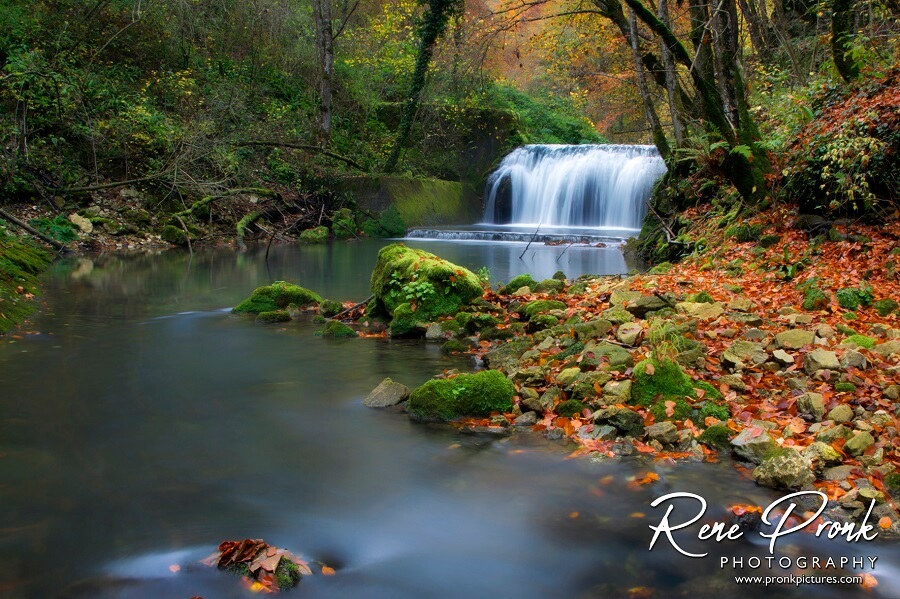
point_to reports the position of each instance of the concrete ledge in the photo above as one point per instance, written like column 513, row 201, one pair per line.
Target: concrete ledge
column 421, row 202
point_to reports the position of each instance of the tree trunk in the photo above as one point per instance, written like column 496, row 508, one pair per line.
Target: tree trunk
column 325, row 47
column 841, row 26
column 659, row 137
column 671, row 77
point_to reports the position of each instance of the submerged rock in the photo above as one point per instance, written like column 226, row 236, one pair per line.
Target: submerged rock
column 386, row 394
column 277, row 296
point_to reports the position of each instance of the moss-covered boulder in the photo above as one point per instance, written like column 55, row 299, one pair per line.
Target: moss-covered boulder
column 431, row 286
column 407, row 323
column 174, row 235
column 476, row 394
column 277, row 296
column 329, row 308
column 517, row 283
column 314, row 235
column 532, row 309
column 659, row 379
column 273, row 316
column 337, row 329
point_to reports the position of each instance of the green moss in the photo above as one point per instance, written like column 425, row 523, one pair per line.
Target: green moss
column 814, row 298
column 549, row 286
column 578, row 288
column 314, row 235
column 441, row 288
column 454, row 346
column 20, row 261
column 845, row 387
column 406, row 322
column 388, row 224
column 661, row 268
column 668, row 381
column 343, row 224
column 744, row 233
column 174, row 235
column 532, row 309
column 886, row 306
column 860, row 340
column 239, row 569
column 892, row 481
column 717, row 436
column 570, row 408
column 559, row 275
column 717, row 411
column 767, row 241
column 541, row 322
column 681, row 410
column 494, row 334
column 701, row 297
column 474, row 321
column 287, row 574
column 329, row 308
column 276, row 296
column 711, row 391
column 319, row 319
column 273, row 316
column 519, row 282
column 844, row 329
column 852, row 299
column 337, row 329
column 575, row 348
column 477, row 394
column 849, row 316
column 776, row 452
column 451, row 326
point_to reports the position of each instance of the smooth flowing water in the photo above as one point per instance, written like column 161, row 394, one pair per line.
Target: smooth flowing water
column 142, row 424
column 605, row 187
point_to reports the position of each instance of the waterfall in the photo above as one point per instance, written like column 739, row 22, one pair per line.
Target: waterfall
column 598, row 186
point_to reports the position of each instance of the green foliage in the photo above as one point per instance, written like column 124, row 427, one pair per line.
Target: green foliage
column 717, row 436
column 389, row 224
column 343, row 224
column 477, row 394
column 484, row 275
column 314, row 235
column 278, row 295
column 59, row 228
column 717, row 411
column 813, row 297
column 701, row 297
column 570, row 408
column 892, row 481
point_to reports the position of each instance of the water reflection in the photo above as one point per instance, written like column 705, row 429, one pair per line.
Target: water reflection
column 143, row 424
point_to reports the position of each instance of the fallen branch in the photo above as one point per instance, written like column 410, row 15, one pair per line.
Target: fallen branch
column 187, row 234
column 530, row 242
column 260, row 191
column 45, row 238
column 352, row 308
column 242, row 227
column 305, row 148
column 670, row 235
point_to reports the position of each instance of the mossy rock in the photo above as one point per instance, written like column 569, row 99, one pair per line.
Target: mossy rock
column 495, row 334
column 886, row 306
column 477, row 394
column 517, row 283
column 287, row 574
column 701, row 298
column 815, row 299
column 660, row 269
column 337, row 329
column 20, row 261
column 845, row 387
column 892, row 482
column 570, row 408
column 852, row 299
column 343, row 224
column 718, row 436
column 277, row 296
column 532, row 309
column 717, row 411
column 574, row 349
column 473, row 322
column 407, row 323
column 329, row 308
column 680, row 411
column 744, row 233
column 767, row 241
column 441, row 287
column 454, row 346
column 559, row 275
column 314, row 235
column 541, row 322
column 668, row 381
column 549, row 286
column 712, row 393
column 860, row 341
column 174, row 235
column 273, row 316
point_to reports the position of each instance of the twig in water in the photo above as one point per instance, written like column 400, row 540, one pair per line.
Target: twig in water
column 530, row 242
column 564, row 251
column 352, row 308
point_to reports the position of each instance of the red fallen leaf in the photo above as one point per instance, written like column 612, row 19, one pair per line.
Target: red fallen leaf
column 756, row 431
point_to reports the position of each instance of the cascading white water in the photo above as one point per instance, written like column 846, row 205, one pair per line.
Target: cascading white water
column 602, row 186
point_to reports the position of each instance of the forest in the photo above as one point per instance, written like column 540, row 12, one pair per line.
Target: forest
column 438, row 296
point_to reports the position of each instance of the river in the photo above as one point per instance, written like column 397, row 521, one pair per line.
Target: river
column 143, row 424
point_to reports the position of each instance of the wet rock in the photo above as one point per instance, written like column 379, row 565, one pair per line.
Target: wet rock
column 811, row 404
column 605, row 432
column 664, row 432
column 550, row 397
column 646, row 303
column 854, row 359
column 526, row 419
column 628, row 421
column 532, row 405
column 786, row 469
column 820, row 359
column 387, row 393
column 859, row 443
column 629, row 333
column 841, row 413
column 794, row 338
column 752, row 445
column 434, row 332
column 838, row 473
column 700, row 310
